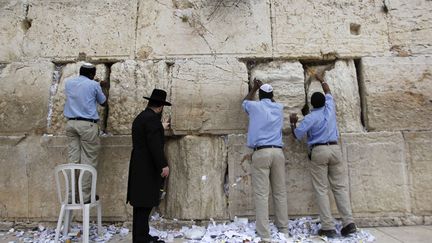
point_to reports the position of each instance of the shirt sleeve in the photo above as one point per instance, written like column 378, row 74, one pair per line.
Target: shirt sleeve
column 100, row 97
column 329, row 102
column 304, row 127
column 245, row 105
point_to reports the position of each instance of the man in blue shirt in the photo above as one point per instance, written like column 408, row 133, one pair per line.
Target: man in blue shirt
column 268, row 161
column 327, row 166
column 82, row 130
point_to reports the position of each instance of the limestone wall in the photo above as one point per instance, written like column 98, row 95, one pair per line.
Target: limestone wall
column 377, row 60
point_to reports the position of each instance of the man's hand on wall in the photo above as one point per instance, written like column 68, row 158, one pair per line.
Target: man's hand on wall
column 257, row 84
column 166, row 123
column 165, row 171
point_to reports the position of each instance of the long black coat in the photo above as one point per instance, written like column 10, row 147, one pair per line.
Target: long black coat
column 147, row 160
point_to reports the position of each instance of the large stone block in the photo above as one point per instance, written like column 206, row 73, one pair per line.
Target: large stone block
column 14, row 185
column 113, row 172
column 409, row 26
column 301, row 199
column 207, row 95
column 199, row 27
column 342, row 80
column 28, row 189
column 56, row 119
column 398, row 93
column 377, row 172
column 196, row 183
column 322, row 29
column 287, row 80
column 64, row 29
column 240, row 191
column 44, row 154
column 130, row 81
column 420, row 168
column 12, row 29
column 24, row 97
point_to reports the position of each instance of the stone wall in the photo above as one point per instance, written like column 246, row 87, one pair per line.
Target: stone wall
column 377, row 60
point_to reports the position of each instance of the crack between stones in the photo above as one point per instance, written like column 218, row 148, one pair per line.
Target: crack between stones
column 362, row 94
column 136, row 28
column 272, row 27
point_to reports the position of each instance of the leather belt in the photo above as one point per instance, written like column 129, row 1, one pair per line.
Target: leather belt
column 319, row 144
column 266, row 146
column 83, row 119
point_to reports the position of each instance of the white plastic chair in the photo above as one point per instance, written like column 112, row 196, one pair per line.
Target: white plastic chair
column 69, row 171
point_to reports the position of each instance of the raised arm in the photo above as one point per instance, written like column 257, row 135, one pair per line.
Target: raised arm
column 251, row 94
column 324, row 84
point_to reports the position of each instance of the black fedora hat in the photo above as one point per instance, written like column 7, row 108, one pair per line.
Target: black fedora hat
column 159, row 96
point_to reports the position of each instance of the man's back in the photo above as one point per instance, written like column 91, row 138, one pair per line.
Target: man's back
column 265, row 122
column 82, row 96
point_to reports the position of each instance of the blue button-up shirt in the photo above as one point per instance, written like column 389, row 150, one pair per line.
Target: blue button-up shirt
column 82, row 94
column 265, row 122
column 320, row 125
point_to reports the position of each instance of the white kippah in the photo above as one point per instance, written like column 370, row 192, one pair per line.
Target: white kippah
column 88, row 65
column 266, row 88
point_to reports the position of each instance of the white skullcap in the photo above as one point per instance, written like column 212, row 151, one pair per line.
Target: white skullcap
column 88, row 65
column 266, row 88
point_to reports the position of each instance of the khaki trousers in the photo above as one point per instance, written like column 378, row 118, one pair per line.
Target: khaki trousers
column 83, row 148
column 268, row 168
column 328, row 169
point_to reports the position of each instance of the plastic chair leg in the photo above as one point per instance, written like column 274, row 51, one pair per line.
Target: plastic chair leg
column 86, row 223
column 67, row 222
column 59, row 223
column 99, row 218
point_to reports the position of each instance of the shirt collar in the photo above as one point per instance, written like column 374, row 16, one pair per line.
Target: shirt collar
column 266, row 100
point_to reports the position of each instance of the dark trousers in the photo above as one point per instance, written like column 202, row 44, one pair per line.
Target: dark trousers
column 140, row 227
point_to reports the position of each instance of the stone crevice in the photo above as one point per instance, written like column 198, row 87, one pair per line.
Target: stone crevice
column 362, row 94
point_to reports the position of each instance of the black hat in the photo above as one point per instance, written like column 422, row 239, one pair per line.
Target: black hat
column 158, row 95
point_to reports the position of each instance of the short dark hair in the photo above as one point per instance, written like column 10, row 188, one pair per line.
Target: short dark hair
column 264, row 95
column 318, row 100
column 88, row 72
column 155, row 104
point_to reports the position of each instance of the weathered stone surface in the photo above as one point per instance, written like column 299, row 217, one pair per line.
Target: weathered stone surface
column 301, row 199
column 409, row 26
column 377, row 172
column 130, row 81
column 113, row 171
column 203, row 27
column 57, row 121
column 197, row 174
column 24, row 195
column 12, row 29
column 13, row 178
column 24, row 97
column 342, row 80
column 240, row 191
column 287, row 80
column 328, row 28
column 207, row 95
column 46, row 153
column 420, row 166
column 98, row 29
column 398, row 93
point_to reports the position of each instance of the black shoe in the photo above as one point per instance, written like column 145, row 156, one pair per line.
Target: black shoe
column 349, row 229
column 328, row 233
column 154, row 239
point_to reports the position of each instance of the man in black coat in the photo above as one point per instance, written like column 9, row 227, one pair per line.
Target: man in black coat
column 148, row 166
